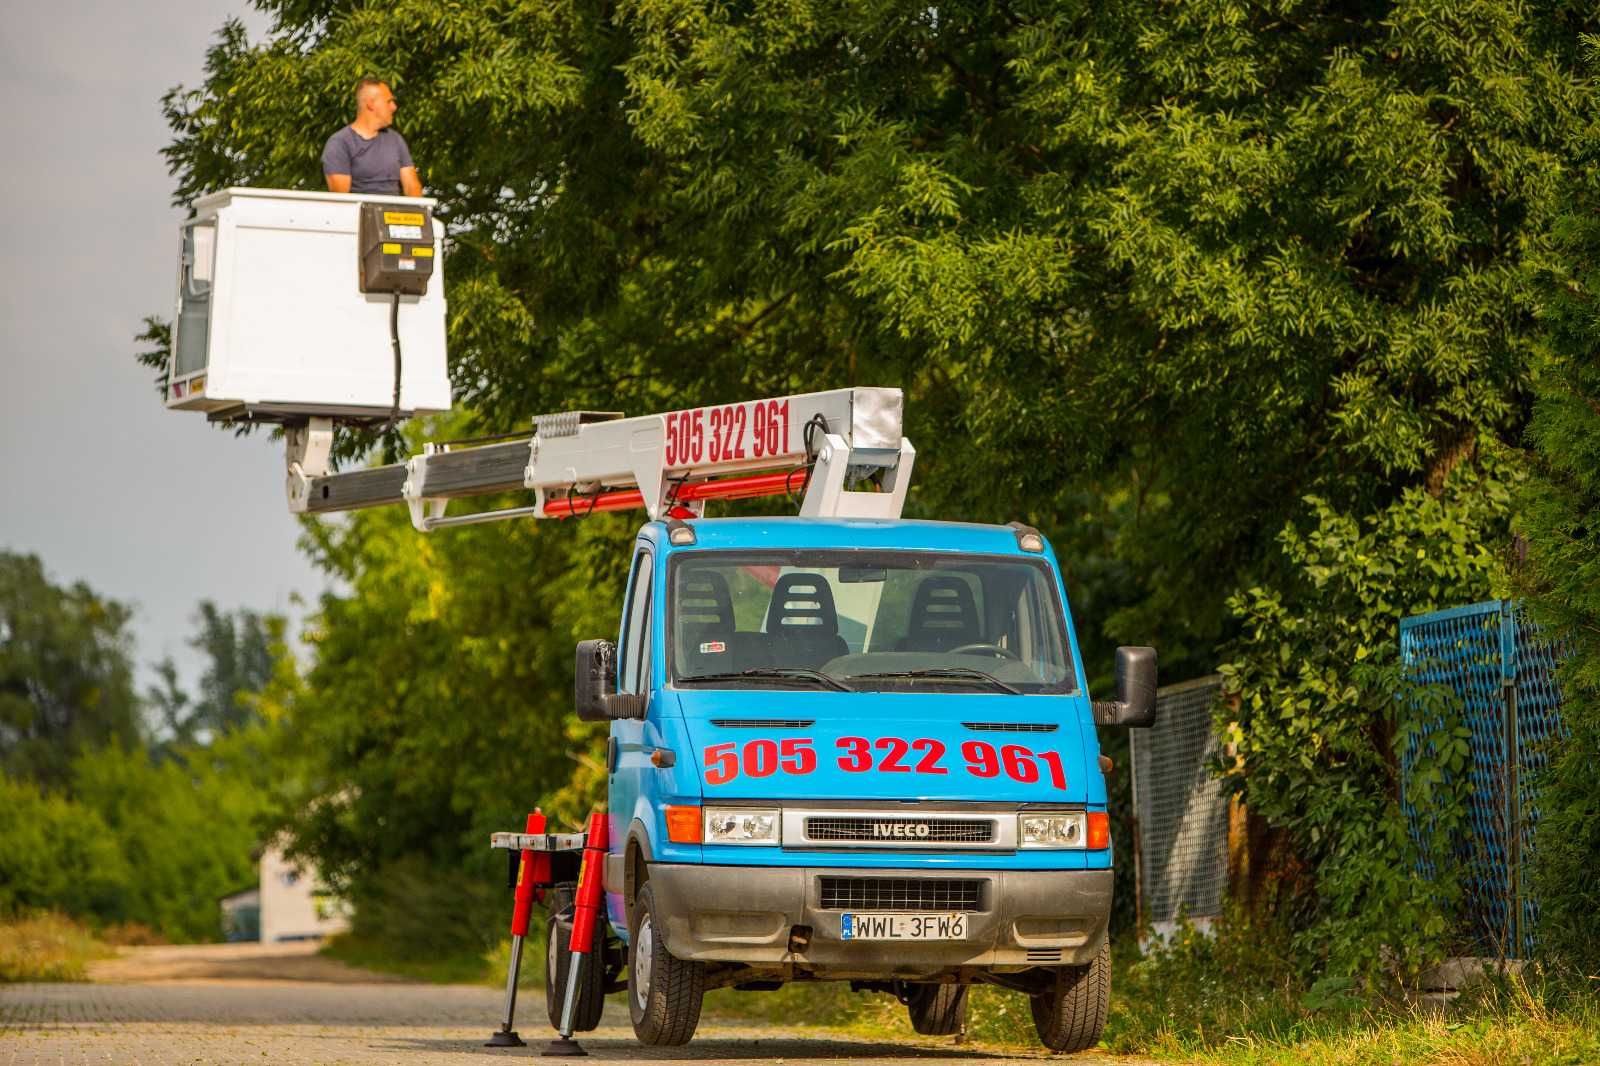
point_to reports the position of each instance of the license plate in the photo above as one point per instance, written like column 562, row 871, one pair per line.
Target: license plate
column 902, row 926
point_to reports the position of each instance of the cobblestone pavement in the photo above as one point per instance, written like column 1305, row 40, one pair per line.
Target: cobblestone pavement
column 214, row 1021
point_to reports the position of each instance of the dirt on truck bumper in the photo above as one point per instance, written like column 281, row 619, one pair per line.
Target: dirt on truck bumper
column 755, row 914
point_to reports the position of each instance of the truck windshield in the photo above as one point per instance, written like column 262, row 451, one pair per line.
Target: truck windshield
column 858, row 620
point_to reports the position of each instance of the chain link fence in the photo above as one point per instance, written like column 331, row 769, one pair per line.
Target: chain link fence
column 1180, row 811
column 1500, row 677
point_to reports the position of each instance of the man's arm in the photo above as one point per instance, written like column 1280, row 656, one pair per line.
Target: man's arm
column 336, row 163
column 410, row 184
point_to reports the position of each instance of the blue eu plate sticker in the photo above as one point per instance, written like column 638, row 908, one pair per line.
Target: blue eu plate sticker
column 846, row 930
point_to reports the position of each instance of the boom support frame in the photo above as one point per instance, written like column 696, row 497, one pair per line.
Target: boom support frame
column 842, row 450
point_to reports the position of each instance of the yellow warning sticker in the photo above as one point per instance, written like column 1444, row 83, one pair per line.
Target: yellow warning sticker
column 197, row 385
column 391, row 249
column 402, row 218
column 422, row 250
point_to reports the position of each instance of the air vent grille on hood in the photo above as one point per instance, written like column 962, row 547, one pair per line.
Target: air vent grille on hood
column 764, row 723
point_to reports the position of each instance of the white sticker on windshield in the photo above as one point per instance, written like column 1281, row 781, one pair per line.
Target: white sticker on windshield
column 713, row 647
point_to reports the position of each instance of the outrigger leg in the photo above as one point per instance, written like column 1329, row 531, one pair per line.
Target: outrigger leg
column 586, row 911
column 533, row 872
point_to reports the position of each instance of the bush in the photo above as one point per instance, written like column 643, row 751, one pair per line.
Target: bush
column 1313, row 724
column 47, row 947
column 185, row 830
column 425, row 914
column 57, row 853
column 137, row 842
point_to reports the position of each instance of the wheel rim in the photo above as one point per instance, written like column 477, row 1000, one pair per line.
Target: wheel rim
column 552, row 957
column 643, row 956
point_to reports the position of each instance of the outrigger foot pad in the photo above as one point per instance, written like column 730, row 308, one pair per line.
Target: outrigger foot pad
column 506, row 1038
column 565, row 1047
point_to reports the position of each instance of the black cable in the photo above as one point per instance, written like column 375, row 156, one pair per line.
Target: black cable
column 815, row 424
column 674, row 484
column 593, row 498
column 394, row 341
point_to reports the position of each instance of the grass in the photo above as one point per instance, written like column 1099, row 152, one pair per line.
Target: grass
column 47, row 947
column 1231, row 1004
column 1485, row 1040
column 1226, row 1002
column 1233, row 1001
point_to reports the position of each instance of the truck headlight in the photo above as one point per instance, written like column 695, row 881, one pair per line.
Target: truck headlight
column 1053, row 830
column 742, row 825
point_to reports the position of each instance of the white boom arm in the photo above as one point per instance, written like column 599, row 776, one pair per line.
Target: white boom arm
column 670, row 464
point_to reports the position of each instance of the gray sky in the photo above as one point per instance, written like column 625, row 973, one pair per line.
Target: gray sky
column 151, row 507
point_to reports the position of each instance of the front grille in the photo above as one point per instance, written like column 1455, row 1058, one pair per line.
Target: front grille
column 900, row 830
column 901, row 894
column 1044, row 954
column 1012, row 727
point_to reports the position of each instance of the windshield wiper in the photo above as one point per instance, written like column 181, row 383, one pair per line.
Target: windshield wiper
column 959, row 673
column 787, row 672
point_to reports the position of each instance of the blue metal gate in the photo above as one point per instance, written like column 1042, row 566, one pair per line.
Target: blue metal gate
column 1489, row 656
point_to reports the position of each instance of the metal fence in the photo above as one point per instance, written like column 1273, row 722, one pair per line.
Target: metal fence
column 1501, row 679
column 1180, row 809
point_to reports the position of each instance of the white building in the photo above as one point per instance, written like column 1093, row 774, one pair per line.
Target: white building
column 295, row 905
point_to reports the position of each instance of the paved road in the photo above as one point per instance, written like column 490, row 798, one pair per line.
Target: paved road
column 185, row 1008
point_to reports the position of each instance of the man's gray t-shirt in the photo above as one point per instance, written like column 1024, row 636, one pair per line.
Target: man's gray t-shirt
column 373, row 166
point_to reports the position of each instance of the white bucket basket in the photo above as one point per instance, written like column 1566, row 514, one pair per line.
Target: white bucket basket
column 272, row 325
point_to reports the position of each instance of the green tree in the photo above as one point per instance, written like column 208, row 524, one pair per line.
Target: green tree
column 438, row 702
column 1560, row 521
column 185, row 829
column 1315, row 717
column 65, row 675
column 1151, row 276
column 57, row 854
column 238, row 649
column 1166, row 272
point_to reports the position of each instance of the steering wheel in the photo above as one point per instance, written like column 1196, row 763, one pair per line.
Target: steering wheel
column 982, row 648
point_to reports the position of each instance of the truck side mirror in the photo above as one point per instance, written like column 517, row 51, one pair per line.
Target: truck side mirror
column 594, row 685
column 1135, row 704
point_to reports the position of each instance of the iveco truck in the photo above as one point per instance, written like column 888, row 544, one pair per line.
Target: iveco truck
column 853, row 750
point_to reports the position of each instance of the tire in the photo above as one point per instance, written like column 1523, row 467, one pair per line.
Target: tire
column 558, row 961
column 937, row 1010
column 1072, row 1014
column 664, row 992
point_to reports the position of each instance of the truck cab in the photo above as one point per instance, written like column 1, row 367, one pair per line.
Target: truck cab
column 857, row 750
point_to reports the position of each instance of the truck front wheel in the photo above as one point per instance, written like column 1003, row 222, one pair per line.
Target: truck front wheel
column 664, row 992
column 937, row 1010
column 1071, row 1014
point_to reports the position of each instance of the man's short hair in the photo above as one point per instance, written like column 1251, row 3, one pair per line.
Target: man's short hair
column 366, row 83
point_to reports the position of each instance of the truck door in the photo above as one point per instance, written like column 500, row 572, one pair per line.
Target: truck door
column 626, row 750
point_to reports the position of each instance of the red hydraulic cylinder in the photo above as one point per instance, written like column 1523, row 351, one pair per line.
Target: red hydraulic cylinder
column 532, row 876
column 727, row 488
column 533, row 873
column 586, row 908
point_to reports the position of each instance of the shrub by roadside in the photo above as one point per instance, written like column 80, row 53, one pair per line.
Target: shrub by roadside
column 47, row 947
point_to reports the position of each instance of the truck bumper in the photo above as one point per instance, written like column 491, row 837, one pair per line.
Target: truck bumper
column 750, row 914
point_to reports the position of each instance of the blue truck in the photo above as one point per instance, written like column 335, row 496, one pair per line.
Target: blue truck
column 852, row 750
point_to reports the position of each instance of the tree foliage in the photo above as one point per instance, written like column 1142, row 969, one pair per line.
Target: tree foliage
column 91, row 822
column 238, row 649
column 66, row 683
column 136, row 840
column 1151, row 276
column 437, row 704
column 1316, row 717
column 1560, row 521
